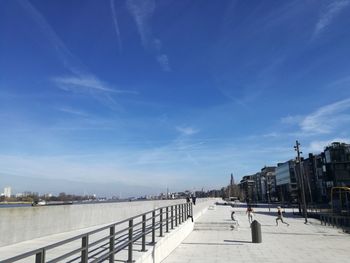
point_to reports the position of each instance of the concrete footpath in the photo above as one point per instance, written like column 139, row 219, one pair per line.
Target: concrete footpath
column 215, row 240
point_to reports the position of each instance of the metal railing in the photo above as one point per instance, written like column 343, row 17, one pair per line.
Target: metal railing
column 104, row 243
column 338, row 221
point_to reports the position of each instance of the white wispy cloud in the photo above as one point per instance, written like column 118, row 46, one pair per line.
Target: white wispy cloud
column 318, row 146
column 72, row 111
column 187, row 130
column 345, row 81
column 142, row 12
column 327, row 118
column 164, row 62
column 86, row 83
column 329, row 14
column 116, row 25
column 292, row 119
column 157, row 44
column 67, row 58
column 80, row 79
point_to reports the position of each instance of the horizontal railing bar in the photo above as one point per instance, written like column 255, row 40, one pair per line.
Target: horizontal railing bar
column 137, row 224
column 102, row 248
column 100, row 240
column 119, row 248
column 75, row 238
column 115, row 251
column 65, row 255
column 139, row 232
column 19, row 257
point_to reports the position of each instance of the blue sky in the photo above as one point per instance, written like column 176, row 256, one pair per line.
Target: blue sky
column 130, row 97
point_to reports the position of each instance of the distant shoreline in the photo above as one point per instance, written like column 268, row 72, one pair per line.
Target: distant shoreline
column 15, row 203
column 4, row 205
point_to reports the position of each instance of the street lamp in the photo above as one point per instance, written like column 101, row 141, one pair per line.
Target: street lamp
column 268, row 192
column 298, row 161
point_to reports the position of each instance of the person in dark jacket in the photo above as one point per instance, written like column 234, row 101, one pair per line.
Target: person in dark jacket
column 194, row 200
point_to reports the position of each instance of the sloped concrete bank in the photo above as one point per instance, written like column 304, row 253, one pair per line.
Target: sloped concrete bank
column 27, row 223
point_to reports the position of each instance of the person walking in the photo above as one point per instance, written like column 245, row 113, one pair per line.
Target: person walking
column 280, row 216
column 194, row 200
column 235, row 223
column 250, row 213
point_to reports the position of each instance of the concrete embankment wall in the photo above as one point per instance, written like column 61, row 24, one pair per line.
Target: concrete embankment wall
column 26, row 223
column 172, row 240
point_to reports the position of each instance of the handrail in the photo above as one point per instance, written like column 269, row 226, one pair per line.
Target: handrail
column 159, row 219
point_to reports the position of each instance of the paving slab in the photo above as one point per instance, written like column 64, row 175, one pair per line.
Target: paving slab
column 216, row 239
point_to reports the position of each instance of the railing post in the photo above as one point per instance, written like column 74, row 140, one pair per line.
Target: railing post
column 191, row 211
column 153, row 227
column 40, row 256
column 172, row 217
column 179, row 207
column 176, row 207
column 130, row 241
column 111, row 243
column 167, row 219
column 143, row 233
column 161, row 223
column 182, row 213
column 85, row 249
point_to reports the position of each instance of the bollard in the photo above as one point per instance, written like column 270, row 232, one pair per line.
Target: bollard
column 256, row 232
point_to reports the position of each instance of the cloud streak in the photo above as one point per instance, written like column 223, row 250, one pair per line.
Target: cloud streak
column 328, row 15
column 318, row 146
column 62, row 51
column 327, row 118
column 80, row 79
column 142, row 12
column 187, row 130
column 164, row 62
column 72, row 111
column 87, row 83
column 116, row 25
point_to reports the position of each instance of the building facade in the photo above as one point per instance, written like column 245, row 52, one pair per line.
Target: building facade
column 268, row 173
column 286, row 182
column 7, row 191
column 247, row 186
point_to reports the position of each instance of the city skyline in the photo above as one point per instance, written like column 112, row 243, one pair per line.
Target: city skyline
column 136, row 96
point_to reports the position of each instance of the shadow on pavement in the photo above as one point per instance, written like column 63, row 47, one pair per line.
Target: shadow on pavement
column 237, row 241
column 212, row 244
column 274, row 214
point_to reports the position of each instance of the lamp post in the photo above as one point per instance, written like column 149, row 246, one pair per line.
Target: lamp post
column 268, row 192
column 298, row 161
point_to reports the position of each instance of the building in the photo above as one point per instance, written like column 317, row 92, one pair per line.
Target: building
column 247, row 186
column 286, row 182
column 268, row 173
column 7, row 191
column 337, row 162
column 258, row 187
column 314, row 174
